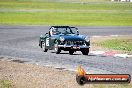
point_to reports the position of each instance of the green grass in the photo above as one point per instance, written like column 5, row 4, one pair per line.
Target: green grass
column 63, row 6
column 62, row 0
column 65, row 18
column 62, row 13
column 5, row 84
column 118, row 44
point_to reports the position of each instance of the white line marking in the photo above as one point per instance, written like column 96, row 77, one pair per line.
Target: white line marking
column 97, row 52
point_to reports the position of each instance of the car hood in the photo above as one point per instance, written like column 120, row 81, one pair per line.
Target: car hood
column 73, row 37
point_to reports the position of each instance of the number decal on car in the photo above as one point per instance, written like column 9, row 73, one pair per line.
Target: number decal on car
column 47, row 41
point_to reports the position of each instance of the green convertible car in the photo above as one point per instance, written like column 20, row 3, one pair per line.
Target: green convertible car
column 64, row 38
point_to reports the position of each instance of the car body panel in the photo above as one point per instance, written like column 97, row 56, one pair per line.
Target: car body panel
column 72, row 39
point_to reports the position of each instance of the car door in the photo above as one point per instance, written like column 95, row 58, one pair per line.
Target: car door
column 49, row 41
column 52, row 37
column 46, row 40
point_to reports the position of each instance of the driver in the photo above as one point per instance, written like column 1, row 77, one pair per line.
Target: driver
column 54, row 31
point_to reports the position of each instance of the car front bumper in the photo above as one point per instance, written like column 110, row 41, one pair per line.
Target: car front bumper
column 73, row 47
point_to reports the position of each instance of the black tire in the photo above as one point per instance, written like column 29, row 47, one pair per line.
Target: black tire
column 85, row 51
column 43, row 47
column 56, row 48
column 81, row 80
column 71, row 52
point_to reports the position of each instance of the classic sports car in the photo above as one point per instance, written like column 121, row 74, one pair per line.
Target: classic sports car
column 64, row 38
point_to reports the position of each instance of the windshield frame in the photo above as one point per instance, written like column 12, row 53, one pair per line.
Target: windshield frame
column 64, row 30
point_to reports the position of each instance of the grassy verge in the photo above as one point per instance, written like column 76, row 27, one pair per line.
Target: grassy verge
column 30, row 5
column 120, row 43
column 63, row 13
column 63, row 0
column 5, row 84
column 65, row 18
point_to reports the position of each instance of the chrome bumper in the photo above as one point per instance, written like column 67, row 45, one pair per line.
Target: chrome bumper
column 74, row 46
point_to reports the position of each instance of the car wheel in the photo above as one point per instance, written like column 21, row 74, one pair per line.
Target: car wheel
column 71, row 52
column 57, row 49
column 43, row 47
column 85, row 51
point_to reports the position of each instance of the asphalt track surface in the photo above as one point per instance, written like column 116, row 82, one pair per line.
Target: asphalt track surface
column 21, row 42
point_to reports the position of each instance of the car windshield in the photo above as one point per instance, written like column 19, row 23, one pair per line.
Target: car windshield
column 65, row 30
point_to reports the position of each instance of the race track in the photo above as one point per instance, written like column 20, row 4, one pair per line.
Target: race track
column 21, row 42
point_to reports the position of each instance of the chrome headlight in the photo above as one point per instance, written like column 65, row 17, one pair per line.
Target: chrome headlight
column 87, row 39
column 62, row 39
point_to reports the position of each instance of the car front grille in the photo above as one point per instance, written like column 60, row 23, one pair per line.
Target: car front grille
column 74, row 42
